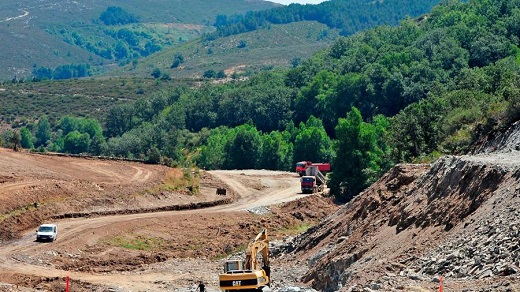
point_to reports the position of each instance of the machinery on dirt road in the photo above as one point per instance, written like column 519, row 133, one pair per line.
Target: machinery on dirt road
column 301, row 167
column 313, row 181
column 251, row 274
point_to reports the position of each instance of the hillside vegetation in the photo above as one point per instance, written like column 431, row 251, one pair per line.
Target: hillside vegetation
column 33, row 37
column 279, row 37
column 387, row 95
column 23, row 102
column 98, row 37
column 349, row 16
column 274, row 46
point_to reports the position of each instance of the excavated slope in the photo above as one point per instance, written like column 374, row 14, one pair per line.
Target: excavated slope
column 458, row 219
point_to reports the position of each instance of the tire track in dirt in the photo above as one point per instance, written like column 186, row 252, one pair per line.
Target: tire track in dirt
column 271, row 187
column 254, row 188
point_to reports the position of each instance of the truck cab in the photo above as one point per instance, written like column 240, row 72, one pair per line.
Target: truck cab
column 308, row 184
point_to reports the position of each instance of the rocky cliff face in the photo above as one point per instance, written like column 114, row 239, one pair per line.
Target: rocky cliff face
column 458, row 219
column 498, row 141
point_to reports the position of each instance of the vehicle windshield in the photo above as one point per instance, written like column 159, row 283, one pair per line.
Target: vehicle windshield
column 45, row 229
column 307, row 179
column 300, row 164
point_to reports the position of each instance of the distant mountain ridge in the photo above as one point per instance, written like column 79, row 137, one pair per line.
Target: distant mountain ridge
column 241, row 42
column 52, row 37
column 348, row 16
column 34, row 33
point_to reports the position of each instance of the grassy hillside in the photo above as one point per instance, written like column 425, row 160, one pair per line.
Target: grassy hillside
column 38, row 33
column 50, row 36
column 193, row 11
column 274, row 46
column 276, row 37
column 81, row 98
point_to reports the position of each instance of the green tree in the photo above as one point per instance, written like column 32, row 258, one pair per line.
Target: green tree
column 209, row 73
column 263, row 99
column 276, row 152
column 243, row 151
column 97, row 145
column 178, row 59
column 15, row 140
column 311, row 100
column 119, row 120
column 154, row 156
column 43, row 131
column 220, row 74
column 212, row 153
column 68, row 124
column 76, row 142
column 489, row 48
column 91, row 127
column 42, row 73
column 358, row 156
column 242, row 44
column 312, row 142
column 121, row 51
column 26, row 138
column 129, row 145
column 116, row 15
column 156, row 73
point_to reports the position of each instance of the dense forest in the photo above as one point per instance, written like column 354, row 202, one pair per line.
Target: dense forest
column 349, row 16
column 392, row 94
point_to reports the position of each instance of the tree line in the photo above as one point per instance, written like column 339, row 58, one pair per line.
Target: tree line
column 348, row 16
column 61, row 72
column 392, row 94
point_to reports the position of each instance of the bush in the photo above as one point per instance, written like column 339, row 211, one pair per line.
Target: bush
column 209, row 74
column 156, row 73
column 116, row 15
column 154, row 156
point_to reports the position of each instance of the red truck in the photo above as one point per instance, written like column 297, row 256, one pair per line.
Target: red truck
column 313, row 181
column 302, row 165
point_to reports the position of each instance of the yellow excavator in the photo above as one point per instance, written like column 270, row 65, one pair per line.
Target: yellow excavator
column 251, row 274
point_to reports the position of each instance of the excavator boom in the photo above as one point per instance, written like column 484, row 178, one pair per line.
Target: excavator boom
column 250, row 274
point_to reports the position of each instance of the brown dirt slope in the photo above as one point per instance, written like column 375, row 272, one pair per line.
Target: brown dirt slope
column 117, row 228
column 76, row 187
column 458, row 219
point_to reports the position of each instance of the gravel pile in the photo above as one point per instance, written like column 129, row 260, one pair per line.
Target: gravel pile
column 490, row 247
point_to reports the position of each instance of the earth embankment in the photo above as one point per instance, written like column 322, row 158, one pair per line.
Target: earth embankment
column 124, row 227
column 458, row 219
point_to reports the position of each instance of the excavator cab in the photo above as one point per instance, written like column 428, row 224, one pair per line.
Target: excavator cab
column 233, row 265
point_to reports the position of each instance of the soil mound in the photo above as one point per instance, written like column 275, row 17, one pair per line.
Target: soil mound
column 458, row 219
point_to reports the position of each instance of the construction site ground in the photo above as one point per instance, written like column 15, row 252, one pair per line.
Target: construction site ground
column 129, row 226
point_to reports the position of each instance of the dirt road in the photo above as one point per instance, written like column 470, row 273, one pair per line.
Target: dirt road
column 177, row 248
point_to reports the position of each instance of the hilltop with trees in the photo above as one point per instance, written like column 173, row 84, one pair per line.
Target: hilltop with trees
column 102, row 36
column 348, row 16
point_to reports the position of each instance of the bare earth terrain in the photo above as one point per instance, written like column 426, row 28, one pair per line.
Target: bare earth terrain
column 457, row 219
column 114, row 232
column 127, row 226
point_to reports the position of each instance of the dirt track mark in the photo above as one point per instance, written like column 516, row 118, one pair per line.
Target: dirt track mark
column 138, row 176
column 25, row 14
column 279, row 187
column 269, row 188
column 13, row 186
